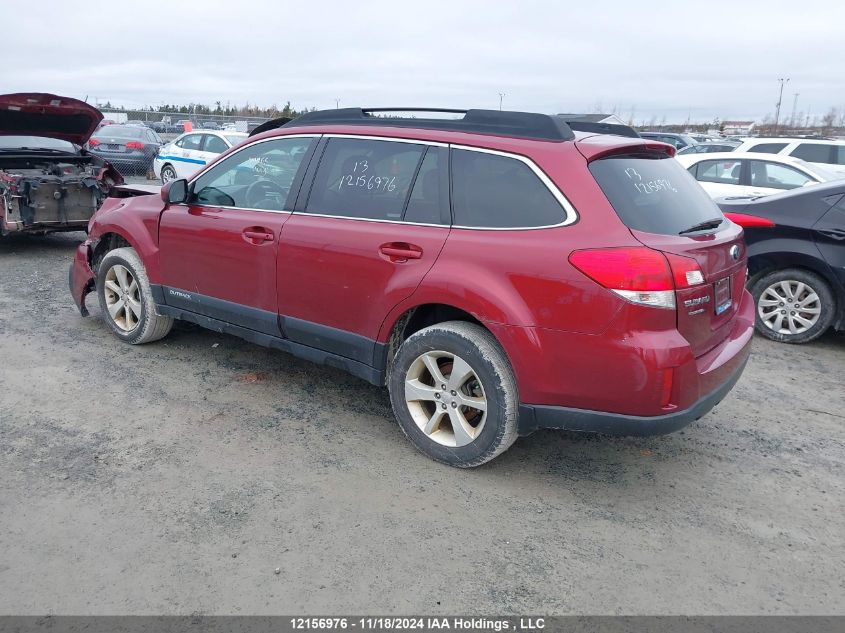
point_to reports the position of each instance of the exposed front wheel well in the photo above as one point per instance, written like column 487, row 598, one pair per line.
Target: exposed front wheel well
column 108, row 242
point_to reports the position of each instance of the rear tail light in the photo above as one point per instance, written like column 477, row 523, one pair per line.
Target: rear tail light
column 640, row 275
column 750, row 221
column 134, row 145
column 92, row 142
column 685, row 271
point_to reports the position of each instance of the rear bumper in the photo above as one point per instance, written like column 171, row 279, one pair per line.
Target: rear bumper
column 81, row 277
column 621, row 394
column 533, row 417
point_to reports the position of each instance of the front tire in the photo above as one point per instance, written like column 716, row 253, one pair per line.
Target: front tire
column 126, row 299
column 454, row 394
column 792, row 305
column 167, row 174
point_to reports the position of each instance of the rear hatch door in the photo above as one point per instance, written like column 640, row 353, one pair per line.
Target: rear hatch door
column 667, row 210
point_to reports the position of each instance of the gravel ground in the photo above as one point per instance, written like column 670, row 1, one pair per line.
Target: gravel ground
column 178, row 477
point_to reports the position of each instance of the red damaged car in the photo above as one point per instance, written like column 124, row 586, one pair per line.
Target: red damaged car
column 48, row 182
column 498, row 272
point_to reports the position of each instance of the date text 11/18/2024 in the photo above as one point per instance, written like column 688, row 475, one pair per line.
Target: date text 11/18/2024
column 454, row 623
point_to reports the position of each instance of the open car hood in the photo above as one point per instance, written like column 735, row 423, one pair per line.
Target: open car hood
column 40, row 114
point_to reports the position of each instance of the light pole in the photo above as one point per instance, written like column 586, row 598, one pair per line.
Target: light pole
column 780, row 99
column 501, row 96
column 794, row 109
column 337, row 104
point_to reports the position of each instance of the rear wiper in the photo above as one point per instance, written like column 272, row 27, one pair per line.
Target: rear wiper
column 702, row 226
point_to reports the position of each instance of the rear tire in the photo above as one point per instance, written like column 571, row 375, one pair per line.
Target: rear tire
column 463, row 419
column 126, row 299
column 792, row 305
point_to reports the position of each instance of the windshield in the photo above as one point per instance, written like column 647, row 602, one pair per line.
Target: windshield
column 655, row 195
column 35, row 142
column 234, row 139
column 120, row 131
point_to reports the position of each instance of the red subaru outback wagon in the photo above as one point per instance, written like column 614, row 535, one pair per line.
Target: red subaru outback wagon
column 497, row 271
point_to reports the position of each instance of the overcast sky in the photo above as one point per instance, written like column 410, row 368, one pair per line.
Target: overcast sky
column 674, row 59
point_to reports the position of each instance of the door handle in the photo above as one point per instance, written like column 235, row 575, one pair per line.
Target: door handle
column 400, row 251
column 257, row 235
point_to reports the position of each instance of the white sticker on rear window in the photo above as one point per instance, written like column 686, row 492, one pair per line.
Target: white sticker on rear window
column 648, row 186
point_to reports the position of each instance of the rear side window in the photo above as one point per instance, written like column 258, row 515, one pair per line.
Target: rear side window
column 767, row 148
column 431, row 186
column 816, row 153
column 214, row 144
column 493, row 191
column 653, row 195
column 366, row 179
column 723, row 172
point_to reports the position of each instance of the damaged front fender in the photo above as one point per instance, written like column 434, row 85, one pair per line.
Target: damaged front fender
column 81, row 276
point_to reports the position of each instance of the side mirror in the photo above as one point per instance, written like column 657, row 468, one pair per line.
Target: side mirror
column 175, row 192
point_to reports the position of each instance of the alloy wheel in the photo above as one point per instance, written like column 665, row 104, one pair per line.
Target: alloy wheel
column 445, row 398
column 789, row 307
column 123, row 297
column 167, row 174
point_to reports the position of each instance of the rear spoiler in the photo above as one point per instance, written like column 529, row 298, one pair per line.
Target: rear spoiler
column 581, row 125
column 272, row 124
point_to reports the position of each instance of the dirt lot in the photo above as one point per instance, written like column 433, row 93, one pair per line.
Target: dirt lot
column 177, row 477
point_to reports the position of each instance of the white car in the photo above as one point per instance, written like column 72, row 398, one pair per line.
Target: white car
column 829, row 155
column 749, row 174
column 188, row 153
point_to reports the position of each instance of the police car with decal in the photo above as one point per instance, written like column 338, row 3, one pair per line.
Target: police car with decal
column 191, row 151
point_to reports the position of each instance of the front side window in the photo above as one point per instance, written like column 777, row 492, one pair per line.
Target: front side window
column 815, row 152
column 493, row 191
column 362, row 178
column 777, row 176
column 258, row 177
column 191, row 141
column 723, row 172
column 767, row 148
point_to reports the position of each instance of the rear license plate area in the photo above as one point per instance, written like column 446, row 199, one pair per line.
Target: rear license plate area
column 722, row 295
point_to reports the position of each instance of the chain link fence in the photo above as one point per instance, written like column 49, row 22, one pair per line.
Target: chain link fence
column 170, row 124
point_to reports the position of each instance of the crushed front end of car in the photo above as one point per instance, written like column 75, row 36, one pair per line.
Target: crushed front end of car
column 51, row 193
column 47, row 181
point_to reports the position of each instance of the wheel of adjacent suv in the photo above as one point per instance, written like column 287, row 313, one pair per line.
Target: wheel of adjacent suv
column 126, row 300
column 454, row 394
column 793, row 306
column 167, row 174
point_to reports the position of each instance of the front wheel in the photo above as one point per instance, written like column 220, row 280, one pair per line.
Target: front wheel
column 793, row 305
column 167, row 174
column 454, row 394
column 126, row 299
